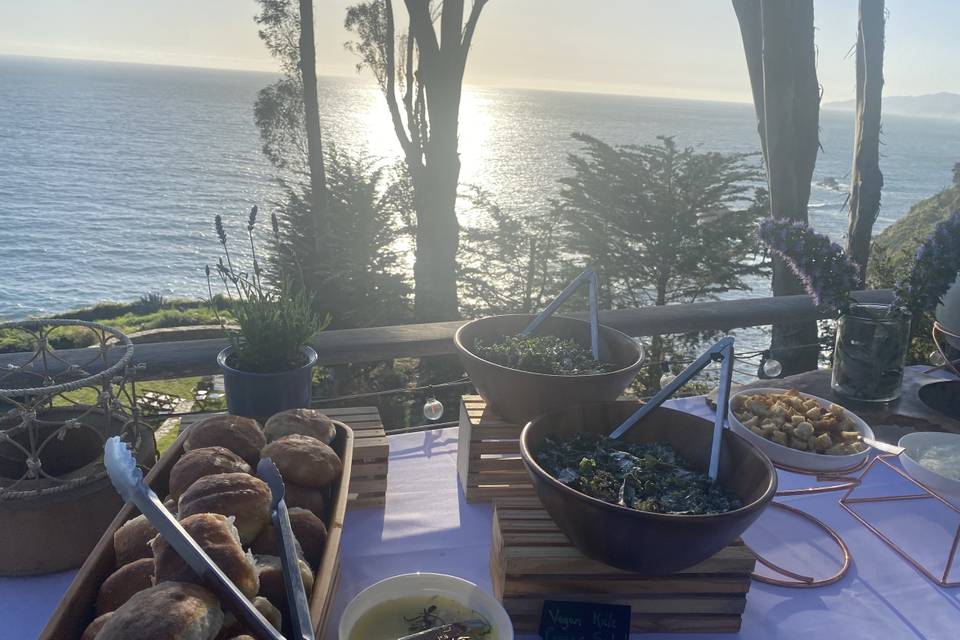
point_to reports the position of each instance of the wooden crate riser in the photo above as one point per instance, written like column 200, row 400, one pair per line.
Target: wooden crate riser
column 641, row 623
column 532, row 561
column 650, row 605
column 488, row 456
column 694, row 584
column 368, row 480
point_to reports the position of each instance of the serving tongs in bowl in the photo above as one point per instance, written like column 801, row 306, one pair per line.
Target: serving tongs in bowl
column 127, row 479
column 292, row 580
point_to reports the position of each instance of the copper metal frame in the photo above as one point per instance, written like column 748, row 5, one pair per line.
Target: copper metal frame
column 799, row 581
column 846, row 501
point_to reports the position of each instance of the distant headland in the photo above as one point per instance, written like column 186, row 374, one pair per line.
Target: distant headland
column 932, row 105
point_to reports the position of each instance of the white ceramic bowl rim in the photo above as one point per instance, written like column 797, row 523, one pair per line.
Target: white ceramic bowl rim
column 913, row 443
column 409, row 584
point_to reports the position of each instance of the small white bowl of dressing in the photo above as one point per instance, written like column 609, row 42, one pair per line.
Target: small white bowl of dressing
column 933, row 459
column 395, row 607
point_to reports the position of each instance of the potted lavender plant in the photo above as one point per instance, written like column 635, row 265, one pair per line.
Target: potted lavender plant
column 268, row 366
column 872, row 339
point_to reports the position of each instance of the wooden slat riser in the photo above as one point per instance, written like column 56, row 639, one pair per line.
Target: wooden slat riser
column 532, row 561
column 692, row 585
column 664, row 605
column 653, row 624
column 488, row 457
column 372, row 469
column 368, row 480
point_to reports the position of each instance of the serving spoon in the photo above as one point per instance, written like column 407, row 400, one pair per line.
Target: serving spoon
column 882, row 446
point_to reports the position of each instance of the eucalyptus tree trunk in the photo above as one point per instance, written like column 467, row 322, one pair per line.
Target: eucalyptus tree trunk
column 311, row 108
column 442, row 58
column 866, row 180
column 778, row 40
column 435, row 197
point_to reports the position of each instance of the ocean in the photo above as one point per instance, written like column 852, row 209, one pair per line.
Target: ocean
column 110, row 174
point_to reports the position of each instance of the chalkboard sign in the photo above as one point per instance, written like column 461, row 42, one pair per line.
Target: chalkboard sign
column 584, row 621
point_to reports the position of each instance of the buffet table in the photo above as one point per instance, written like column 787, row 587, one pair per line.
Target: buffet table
column 428, row 526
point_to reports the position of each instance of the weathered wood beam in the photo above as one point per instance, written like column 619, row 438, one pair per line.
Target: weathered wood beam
column 198, row 357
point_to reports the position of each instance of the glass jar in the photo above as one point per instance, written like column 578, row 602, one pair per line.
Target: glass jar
column 872, row 344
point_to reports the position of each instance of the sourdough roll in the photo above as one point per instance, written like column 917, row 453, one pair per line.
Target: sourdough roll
column 205, row 461
column 217, row 536
column 304, row 460
column 308, row 529
column 243, row 436
column 309, row 498
column 303, row 422
column 90, row 633
column 245, row 497
column 233, row 628
column 123, row 583
column 132, row 540
column 270, row 570
column 168, row 611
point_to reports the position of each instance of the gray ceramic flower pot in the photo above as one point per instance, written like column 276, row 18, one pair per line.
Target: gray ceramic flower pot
column 260, row 395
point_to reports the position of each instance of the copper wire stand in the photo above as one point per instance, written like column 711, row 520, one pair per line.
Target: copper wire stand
column 844, row 483
column 927, row 493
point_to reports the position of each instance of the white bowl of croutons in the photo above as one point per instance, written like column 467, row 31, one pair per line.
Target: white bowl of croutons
column 800, row 430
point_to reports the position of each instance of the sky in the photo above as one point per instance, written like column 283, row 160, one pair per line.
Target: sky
column 671, row 48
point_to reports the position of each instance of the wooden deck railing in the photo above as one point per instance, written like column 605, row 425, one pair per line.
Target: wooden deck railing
column 198, row 357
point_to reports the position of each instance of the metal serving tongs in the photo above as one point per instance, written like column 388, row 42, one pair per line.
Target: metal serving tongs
column 292, row 580
column 127, row 479
column 453, row 631
column 721, row 352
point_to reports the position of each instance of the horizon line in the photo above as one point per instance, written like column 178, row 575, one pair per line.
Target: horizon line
column 481, row 85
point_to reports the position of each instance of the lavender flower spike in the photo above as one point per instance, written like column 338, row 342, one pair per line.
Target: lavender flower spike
column 221, row 232
column 934, row 268
column 827, row 273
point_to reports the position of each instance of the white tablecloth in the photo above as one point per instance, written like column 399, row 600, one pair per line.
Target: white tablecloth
column 428, row 526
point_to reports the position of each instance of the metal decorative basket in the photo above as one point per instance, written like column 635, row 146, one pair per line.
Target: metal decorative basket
column 57, row 408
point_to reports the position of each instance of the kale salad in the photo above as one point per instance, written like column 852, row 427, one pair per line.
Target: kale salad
column 542, row 354
column 646, row 477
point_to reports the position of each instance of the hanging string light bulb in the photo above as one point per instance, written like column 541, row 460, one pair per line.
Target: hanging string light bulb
column 772, row 368
column 769, row 368
column 432, row 408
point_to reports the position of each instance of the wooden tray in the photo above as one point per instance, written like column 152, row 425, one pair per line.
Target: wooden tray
column 488, row 454
column 75, row 610
column 371, row 451
column 532, row 560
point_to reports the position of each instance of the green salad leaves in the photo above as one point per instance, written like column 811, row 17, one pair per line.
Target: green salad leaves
column 542, row 354
column 646, row 477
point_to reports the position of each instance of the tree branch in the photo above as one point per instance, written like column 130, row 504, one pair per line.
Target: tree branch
column 451, row 25
column 422, row 28
column 391, row 84
column 471, row 25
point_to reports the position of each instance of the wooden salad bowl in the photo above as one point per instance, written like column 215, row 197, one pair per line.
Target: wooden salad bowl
column 640, row 541
column 518, row 395
column 76, row 609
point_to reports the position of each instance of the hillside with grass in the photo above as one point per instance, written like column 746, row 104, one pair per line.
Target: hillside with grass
column 149, row 312
column 894, row 248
